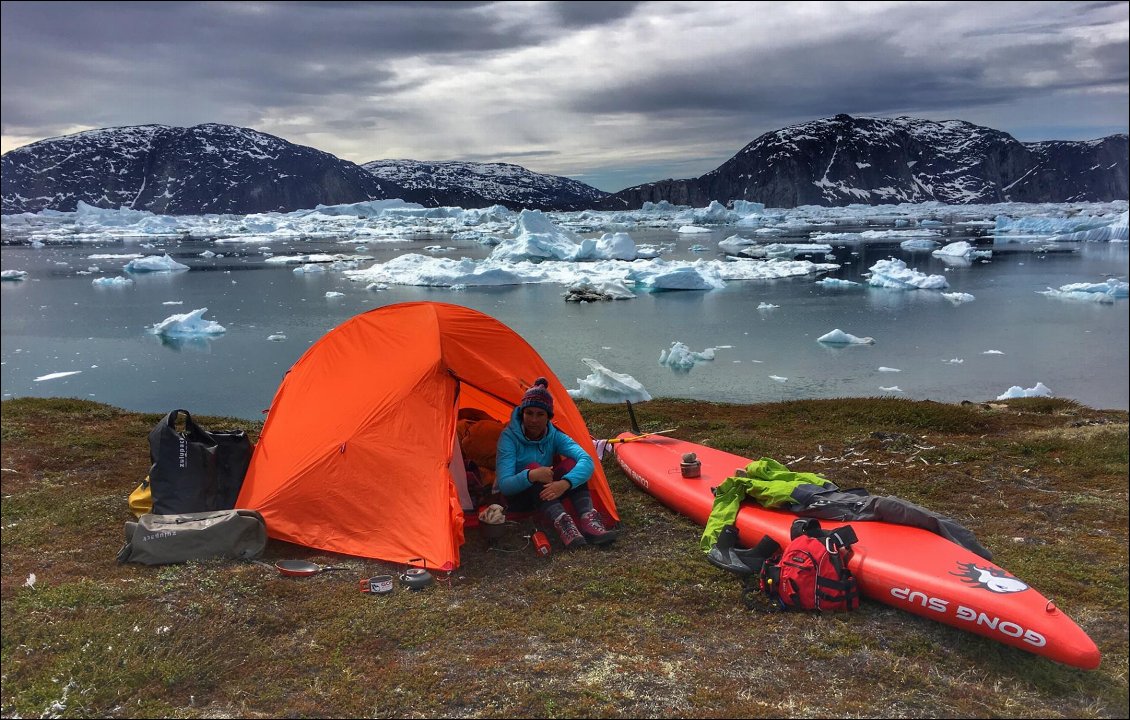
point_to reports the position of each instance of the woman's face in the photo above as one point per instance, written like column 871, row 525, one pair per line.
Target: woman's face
column 534, row 422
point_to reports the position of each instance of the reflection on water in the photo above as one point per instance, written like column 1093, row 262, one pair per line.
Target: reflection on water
column 956, row 262
column 176, row 344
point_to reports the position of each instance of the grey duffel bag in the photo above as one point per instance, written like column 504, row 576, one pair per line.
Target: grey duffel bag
column 164, row 539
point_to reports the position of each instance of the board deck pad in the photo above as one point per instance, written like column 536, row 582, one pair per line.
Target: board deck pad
column 906, row 567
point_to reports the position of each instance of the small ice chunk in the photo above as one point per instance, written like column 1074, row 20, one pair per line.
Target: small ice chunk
column 839, row 337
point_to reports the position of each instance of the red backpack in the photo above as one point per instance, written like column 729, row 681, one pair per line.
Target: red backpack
column 811, row 572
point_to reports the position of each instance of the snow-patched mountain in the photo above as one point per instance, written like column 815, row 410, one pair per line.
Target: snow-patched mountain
column 176, row 171
column 834, row 161
column 843, row 160
column 469, row 184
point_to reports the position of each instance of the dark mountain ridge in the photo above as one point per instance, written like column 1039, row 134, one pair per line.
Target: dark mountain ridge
column 833, row 161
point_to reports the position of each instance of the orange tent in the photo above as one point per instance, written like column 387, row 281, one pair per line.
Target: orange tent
column 356, row 455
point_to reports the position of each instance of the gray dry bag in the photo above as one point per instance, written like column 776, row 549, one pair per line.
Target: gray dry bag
column 165, row 539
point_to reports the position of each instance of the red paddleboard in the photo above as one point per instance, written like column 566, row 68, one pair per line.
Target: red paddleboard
column 907, row 567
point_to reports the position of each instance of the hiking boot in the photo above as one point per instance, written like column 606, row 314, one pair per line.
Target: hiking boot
column 567, row 530
column 593, row 528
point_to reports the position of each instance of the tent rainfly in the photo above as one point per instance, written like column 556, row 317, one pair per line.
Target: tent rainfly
column 358, row 453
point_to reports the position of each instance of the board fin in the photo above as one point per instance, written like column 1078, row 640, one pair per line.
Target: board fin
column 632, row 415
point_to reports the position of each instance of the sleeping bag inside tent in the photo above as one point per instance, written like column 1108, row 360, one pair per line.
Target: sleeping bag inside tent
column 359, row 454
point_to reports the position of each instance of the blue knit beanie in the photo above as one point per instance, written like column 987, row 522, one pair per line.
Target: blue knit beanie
column 537, row 396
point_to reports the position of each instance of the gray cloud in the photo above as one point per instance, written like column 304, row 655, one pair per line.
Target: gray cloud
column 585, row 13
column 865, row 72
column 611, row 92
column 237, row 54
column 1115, row 62
column 805, row 79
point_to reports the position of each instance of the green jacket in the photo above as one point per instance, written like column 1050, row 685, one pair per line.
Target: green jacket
column 767, row 481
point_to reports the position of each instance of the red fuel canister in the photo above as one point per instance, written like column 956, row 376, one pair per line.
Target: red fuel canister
column 541, row 543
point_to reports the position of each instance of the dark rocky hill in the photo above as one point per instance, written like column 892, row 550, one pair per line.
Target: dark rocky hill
column 176, row 171
column 843, row 160
column 468, row 184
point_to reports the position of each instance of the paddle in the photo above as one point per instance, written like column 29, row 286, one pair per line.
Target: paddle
column 603, row 446
column 641, row 436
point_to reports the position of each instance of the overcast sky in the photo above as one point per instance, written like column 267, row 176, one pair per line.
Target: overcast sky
column 609, row 93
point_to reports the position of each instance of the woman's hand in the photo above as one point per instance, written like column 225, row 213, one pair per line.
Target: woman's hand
column 554, row 490
column 541, row 475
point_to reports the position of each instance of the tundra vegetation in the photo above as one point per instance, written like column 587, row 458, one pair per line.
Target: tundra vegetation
column 643, row 628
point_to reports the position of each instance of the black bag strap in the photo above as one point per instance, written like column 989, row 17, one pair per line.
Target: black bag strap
column 804, row 526
column 843, row 536
column 191, row 429
column 167, row 427
column 839, row 538
column 838, row 542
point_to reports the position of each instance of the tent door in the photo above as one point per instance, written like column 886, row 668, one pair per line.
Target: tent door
column 459, row 475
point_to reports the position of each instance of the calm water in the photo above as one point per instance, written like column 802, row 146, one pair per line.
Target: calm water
column 57, row 321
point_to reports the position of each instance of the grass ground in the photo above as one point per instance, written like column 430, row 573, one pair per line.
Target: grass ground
column 644, row 628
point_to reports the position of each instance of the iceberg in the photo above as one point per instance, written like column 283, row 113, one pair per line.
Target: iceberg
column 609, row 246
column 605, row 386
column 1116, row 231
column 584, row 291
column 187, row 325
column 830, row 282
column 957, row 298
column 735, row 244
column 918, row 244
column 663, row 276
column 713, row 214
column 839, row 337
column 302, row 259
column 962, row 249
column 118, row 281
column 1040, row 390
column 536, row 238
column 681, row 358
column 1104, row 292
column 746, row 208
column 154, row 263
column 785, row 250
column 893, row 273
column 1078, row 228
